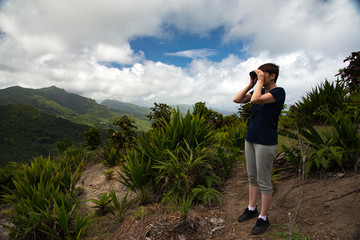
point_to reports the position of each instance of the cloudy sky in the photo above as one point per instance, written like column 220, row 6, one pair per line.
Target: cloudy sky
column 174, row 52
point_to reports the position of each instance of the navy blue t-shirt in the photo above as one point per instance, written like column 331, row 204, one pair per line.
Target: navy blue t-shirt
column 263, row 122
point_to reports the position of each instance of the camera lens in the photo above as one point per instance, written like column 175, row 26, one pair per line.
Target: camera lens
column 253, row 75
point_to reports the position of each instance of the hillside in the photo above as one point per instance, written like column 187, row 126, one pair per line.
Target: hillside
column 27, row 132
column 129, row 108
column 73, row 107
column 135, row 109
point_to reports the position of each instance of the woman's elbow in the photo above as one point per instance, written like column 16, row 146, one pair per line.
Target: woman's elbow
column 235, row 100
column 254, row 101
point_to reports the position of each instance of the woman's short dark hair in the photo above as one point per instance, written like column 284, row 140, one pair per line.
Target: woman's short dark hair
column 270, row 68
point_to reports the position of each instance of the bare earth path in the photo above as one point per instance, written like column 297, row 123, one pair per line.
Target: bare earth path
column 330, row 210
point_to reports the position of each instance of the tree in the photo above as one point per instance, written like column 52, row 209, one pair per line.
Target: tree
column 92, row 138
column 201, row 109
column 350, row 75
column 244, row 111
column 160, row 112
column 125, row 137
column 64, row 144
column 212, row 117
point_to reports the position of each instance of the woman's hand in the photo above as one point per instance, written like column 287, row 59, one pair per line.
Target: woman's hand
column 260, row 76
column 253, row 81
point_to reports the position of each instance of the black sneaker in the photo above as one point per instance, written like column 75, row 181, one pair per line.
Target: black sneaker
column 260, row 226
column 248, row 215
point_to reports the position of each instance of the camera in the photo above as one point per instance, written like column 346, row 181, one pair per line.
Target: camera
column 253, row 75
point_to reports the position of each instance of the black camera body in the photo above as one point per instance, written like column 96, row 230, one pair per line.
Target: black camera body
column 253, row 75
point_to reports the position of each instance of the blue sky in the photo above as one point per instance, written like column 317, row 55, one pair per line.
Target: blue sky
column 174, row 52
column 180, row 48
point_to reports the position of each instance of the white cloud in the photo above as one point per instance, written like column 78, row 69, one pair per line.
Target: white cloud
column 281, row 27
column 122, row 54
column 194, row 53
column 70, row 43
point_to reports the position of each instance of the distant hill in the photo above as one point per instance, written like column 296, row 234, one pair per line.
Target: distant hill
column 58, row 102
column 135, row 109
column 126, row 107
column 184, row 108
column 27, row 132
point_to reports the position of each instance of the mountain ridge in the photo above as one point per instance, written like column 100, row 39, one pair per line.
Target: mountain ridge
column 76, row 108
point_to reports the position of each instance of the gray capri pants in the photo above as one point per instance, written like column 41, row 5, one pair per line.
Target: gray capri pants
column 259, row 161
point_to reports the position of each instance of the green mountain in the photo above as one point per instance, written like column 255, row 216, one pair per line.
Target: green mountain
column 27, row 132
column 78, row 109
column 129, row 108
column 133, row 109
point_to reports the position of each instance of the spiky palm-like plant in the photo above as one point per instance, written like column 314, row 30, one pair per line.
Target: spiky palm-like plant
column 330, row 96
column 44, row 202
column 135, row 174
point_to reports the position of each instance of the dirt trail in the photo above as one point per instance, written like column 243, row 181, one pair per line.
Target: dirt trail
column 330, row 210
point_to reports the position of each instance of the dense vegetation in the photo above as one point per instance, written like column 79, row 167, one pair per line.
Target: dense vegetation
column 27, row 132
column 182, row 160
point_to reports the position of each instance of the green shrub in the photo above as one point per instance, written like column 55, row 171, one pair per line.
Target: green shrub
column 109, row 174
column 287, row 120
column 112, row 156
column 180, row 171
column 64, row 144
column 345, row 134
column 160, row 113
column 338, row 148
column 102, row 203
column 142, row 212
column 212, row 117
column 325, row 158
column 7, row 173
column 350, row 75
column 44, row 202
column 293, row 155
column 226, row 160
column 126, row 136
column 118, row 209
column 192, row 129
column 182, row 154
column 135, row 174
column 206, row 194
column 233, row 135
column 283, row 233
column 92, row 138
column 63, row 219
column 181, row 205
column 244, row 111
column 74, row 157
column 325, row 96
